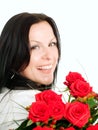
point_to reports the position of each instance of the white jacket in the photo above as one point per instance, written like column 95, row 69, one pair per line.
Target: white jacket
column 12, row 107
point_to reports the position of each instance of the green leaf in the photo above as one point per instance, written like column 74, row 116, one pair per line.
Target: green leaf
column 23, row 125
column 91, row 102
column 26, row 125
column 29, row 123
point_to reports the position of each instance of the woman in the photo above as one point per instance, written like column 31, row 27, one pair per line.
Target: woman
column 29, row 57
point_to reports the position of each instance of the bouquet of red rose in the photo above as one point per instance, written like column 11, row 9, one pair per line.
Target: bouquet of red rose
column 50, row 112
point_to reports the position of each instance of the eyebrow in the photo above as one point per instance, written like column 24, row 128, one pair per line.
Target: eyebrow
column 41, row 42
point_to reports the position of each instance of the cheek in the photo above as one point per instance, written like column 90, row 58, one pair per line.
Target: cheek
column 34, row 59
column 56, row 54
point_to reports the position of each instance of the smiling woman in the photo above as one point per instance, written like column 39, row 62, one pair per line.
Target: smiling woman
column 29, row 57
column 42, row 41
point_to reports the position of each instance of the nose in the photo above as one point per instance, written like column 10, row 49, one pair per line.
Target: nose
column 47, row 54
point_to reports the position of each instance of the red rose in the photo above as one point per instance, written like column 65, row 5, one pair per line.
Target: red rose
column 70, row 128
column 93, row 127
column 48, row 96
column 77, row 113
column 57, row 109
column 39, row 111
column 72, row 77
column 80, row 88
column 42, row 128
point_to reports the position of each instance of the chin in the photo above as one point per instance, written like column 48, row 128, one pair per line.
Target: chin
column 47, row 80
column 48, row 83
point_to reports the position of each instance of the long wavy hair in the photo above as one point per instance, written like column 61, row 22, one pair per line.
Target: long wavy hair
column 14, row 43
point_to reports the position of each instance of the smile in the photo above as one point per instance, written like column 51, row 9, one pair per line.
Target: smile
column 47, row 67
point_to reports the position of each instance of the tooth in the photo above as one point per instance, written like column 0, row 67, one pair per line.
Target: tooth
column 46, row 67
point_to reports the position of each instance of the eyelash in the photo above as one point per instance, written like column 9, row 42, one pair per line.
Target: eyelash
column 37, row 46
column 34, row 47
column 53, row 43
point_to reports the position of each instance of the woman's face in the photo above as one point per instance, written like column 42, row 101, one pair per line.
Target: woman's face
column 43, row 54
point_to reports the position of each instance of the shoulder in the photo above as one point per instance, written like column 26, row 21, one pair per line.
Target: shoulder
column 23, row 97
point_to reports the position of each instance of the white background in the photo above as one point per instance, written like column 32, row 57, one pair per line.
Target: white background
column 77, row 21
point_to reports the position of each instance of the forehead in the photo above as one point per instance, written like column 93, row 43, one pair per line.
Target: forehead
column 41, row 30
column 40, row 25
